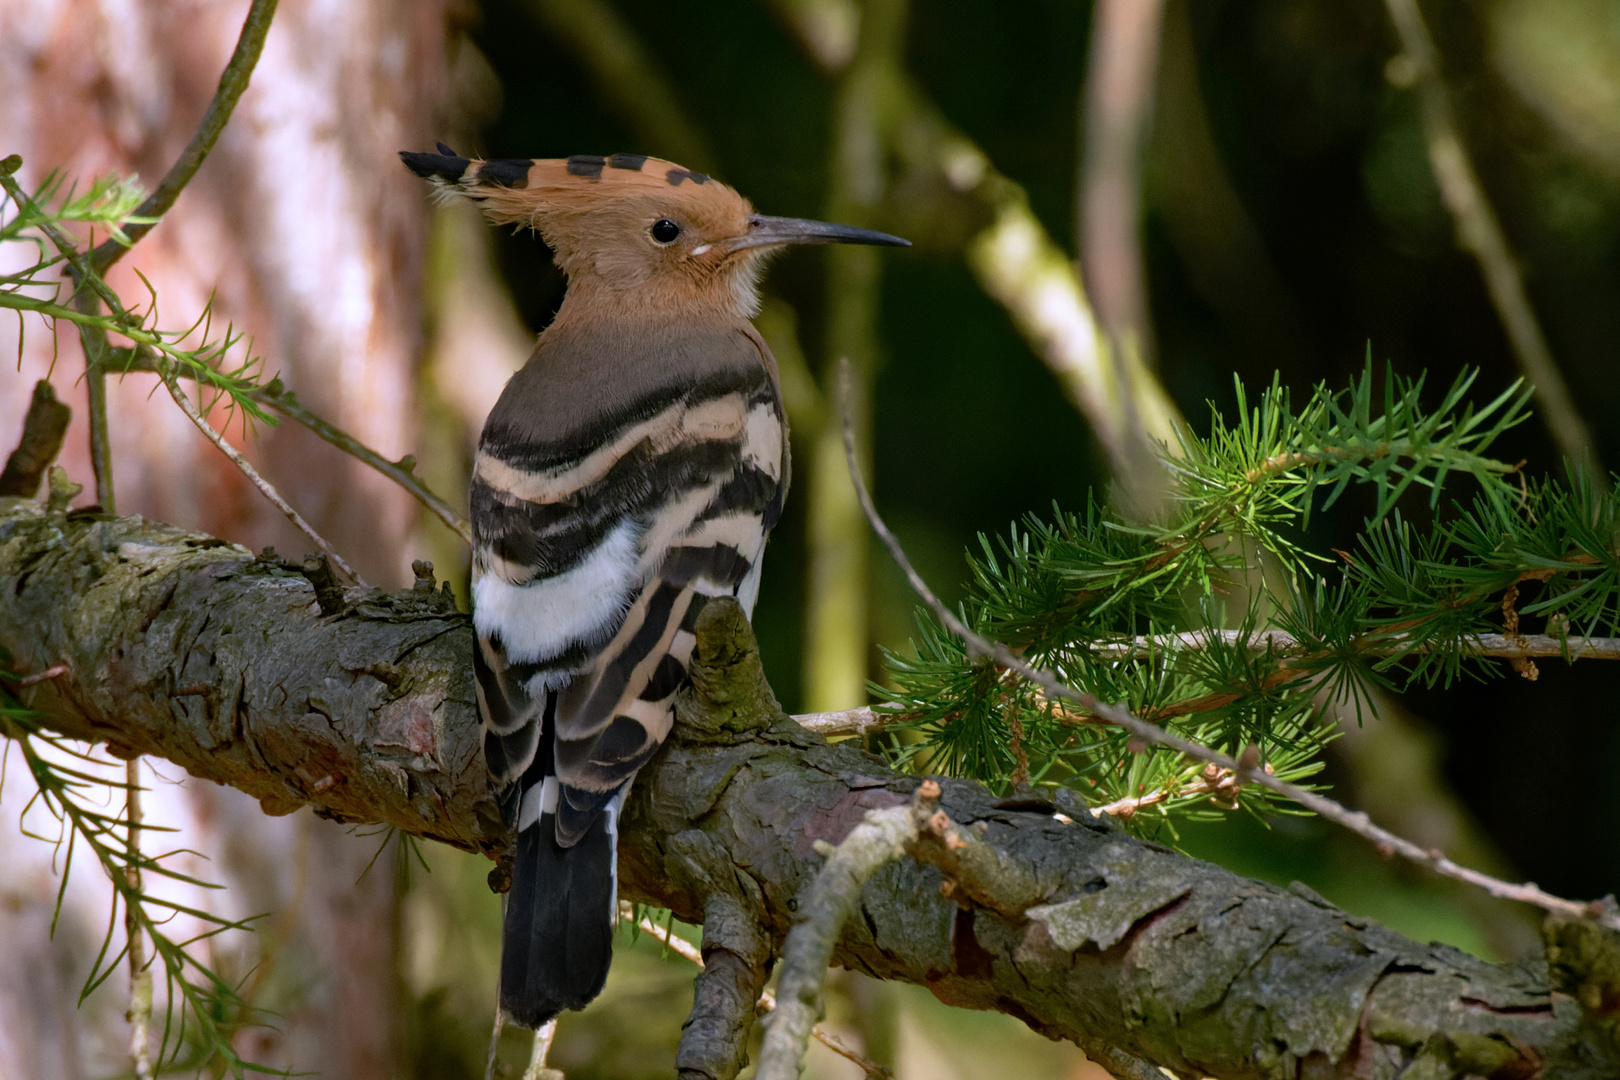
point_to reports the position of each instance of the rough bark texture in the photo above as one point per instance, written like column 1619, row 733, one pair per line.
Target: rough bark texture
column 183, row 646
column 192, row 649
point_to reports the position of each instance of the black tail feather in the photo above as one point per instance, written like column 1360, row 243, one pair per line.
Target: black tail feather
column 558, row 939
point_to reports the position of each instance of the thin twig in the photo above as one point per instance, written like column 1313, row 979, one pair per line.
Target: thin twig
column 265, row 487
column 767, row 1001
column 287, row 404
column 848, row 722
column 55, row 671
column 399, row 472
column 494, row 1044
column 1249, row 770
column 881, row 836
column 1117, row 110
column 1480, row 232
column 232, row 82
column 140, row 978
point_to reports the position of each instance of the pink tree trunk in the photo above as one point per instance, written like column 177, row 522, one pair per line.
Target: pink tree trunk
column 310, row 236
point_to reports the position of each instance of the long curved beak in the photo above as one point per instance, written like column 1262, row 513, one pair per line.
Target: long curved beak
column 764, row 231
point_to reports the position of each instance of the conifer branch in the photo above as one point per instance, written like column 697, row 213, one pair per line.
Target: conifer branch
column 1250, row 769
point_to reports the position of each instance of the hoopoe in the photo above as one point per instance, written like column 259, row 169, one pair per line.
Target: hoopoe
column 629, row 473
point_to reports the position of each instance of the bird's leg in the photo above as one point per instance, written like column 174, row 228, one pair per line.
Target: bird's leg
column 542, row 1046
column 494, row 1044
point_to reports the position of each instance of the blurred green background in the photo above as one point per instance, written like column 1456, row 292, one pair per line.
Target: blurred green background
column 1290, row 222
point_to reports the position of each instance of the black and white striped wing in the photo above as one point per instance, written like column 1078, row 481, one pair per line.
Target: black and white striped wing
column 592, row 564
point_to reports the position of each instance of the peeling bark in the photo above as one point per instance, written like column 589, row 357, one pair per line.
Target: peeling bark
column 189, row 648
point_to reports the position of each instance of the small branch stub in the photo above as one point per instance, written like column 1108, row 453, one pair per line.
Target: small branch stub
column 44, row 429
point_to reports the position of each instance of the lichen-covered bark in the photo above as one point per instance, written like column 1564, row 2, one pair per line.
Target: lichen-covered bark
column 191, row 649
column 185, row 647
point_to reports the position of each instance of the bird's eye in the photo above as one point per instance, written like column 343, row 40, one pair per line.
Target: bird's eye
column 665, row 231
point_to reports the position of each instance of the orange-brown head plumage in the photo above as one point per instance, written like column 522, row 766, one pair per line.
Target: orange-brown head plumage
column 638, row 232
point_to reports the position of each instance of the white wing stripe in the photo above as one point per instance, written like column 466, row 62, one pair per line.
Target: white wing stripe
column 540, row 619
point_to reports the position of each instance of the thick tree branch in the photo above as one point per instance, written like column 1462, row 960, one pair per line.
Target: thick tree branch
column 180, row 645
column 189, row 648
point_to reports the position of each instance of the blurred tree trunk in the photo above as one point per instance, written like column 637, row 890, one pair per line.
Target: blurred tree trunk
column 305, row 229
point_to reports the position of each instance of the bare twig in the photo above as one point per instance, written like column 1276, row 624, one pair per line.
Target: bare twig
column 494, row 1044
column 848, row 722
column 55, row 671
column 883, row 835
column 767, row 1001
column 287, row 404
column 400, row 472
column 1479, row 231
column 232, row 82
column 1248, row 770
column 1117, row 108
column 265, row 487
column 44, row 429
column 140, row 978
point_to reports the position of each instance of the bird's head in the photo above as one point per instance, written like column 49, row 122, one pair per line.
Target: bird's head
column 637, row 232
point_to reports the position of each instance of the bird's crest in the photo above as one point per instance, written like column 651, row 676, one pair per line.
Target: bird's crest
column 523, row 191
column 616, row 223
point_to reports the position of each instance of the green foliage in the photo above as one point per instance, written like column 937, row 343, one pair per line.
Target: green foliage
column 219, row 363
column 1216, row 619
column 203, row 1011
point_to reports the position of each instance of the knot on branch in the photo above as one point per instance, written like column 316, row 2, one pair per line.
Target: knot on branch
column 1583, row 960
column 44, row 428
column 328, row 592
column 729, row 697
